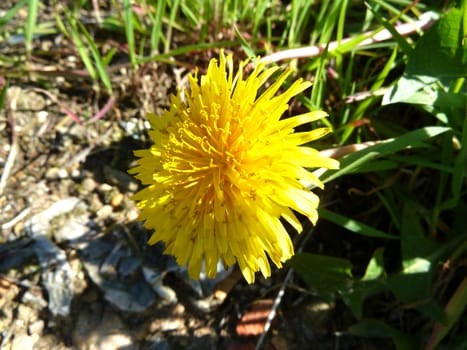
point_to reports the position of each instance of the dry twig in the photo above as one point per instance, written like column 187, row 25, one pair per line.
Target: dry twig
column 372, row 37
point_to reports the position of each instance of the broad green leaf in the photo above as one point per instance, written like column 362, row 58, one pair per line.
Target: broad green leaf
column 375, row 269
column 371, row 283
column 377, row 328
column 325, row 274
column 438, row 56
column 414, row 290
column 419, row 257
column 414, row 240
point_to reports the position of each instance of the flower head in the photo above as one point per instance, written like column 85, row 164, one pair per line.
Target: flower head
column 225, row 168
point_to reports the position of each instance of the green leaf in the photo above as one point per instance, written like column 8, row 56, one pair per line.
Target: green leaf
column 30, row 24
column 245, row 44
column 377, row 328
column 438, row 56
column 129, row 31
column 156, row 31
column 325, row 274
column 375, row 269
column 414, row 240
column 460, row 168
column 98, row 62
column 3, row 91
column 454, row 310
column 353, row 225
column 12, row 12
column 414, row 289
column 355, row 161
column 419, row 257
column 371, row 283
column 82, row 49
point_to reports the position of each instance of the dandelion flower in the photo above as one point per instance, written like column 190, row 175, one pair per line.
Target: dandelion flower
column 224, row 169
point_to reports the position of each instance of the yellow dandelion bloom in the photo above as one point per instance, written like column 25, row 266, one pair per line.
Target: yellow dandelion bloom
column 225, row 168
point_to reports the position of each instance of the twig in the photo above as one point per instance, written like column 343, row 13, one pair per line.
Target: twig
column 342, row 151
column 69, row 112
column 104, row 109
column 10, row 106
column 372, row 37
column 22, row 214
column 95, row 5
column 280, row 295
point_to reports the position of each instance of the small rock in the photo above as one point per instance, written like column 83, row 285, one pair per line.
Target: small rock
column 56, row 174
column 34, row 298
column 74, row 228
column 88, row 185
column 104, row 212
column 116, row 200
column 132, row 215
column 25, row 314
column 94, row 202
column 42, row 116
column 36, row 327
column 24, row 341
column 105, row 187
column 168, row 324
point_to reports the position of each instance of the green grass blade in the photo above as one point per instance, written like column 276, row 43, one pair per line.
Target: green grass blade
column 129, row 30
column 353, row 225
column 30, row 24
column 82, row 49
column 259, row 15
column 354, row 161
column 245, row 44
column 364, row 105
column 173, row 15
column 3, row 91
column 12, row 12
column 391, row 206
column 156, row 31
column 454, row 309
column 340, row 33
column 399, row 39
column 460, row 171
column 186, row 49
column 99, row 63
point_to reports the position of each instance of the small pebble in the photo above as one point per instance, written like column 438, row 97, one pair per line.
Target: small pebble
column 132, row 215
column 88, row 185
column 56, row 173
column 116, row 200
column 105, row 211
column 36, row 327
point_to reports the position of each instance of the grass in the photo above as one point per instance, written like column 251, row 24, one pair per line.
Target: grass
column 399, row 94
